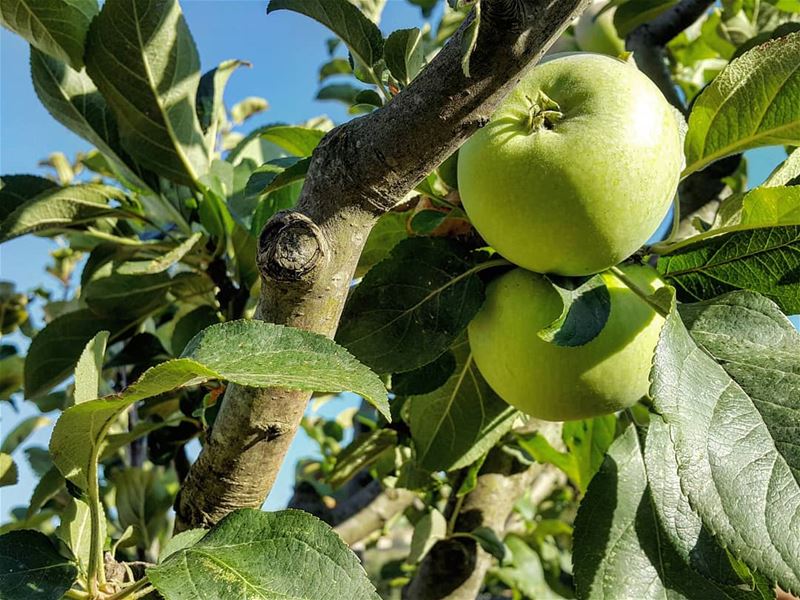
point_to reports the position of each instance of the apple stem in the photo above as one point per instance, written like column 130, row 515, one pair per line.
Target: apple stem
column 544, row 112
column 644, row 295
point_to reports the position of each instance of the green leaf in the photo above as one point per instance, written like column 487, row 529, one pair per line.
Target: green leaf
column 142, row 348
column 49, row 485
column 15, row 190
column 587, row 306
column 752, row 103
column 144, row 496
column 427, row 378
column 489, row 541
column 335, row 66
column 682, row 526
column 404, row 54
column 62, row 208
column 72, row 99
column 56, row 348
column 523, row 570
column 21, row 432
column 210, row 101
column 256, row 555
column 250, row 353
column 89, row 369
column 361, row 35
column 185, row 539
column 39, row 460
column 761, row 207
column 629, row 15
column 56, row 28
column 343, row 92
column 75, row 530
column 385, row 235
column 8, row 470
column 769, row 207
column 431, row 528
column 360, row 454
column 190, row 325
column 729, row 399
column 426, row 221
column 268, row 355
column 620, row 550
column 163, row 262
column 586, row 443
column 458, row 423
column 276, row 174
column 141, row 56
column 412, row 306
column 296, row 140
column 31, row 569
column 247, row 108
column 787, row 173
column 765, row 260
column 128, row 296
column 12, row 370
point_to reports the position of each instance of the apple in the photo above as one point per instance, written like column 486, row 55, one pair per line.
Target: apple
column 576, row 169
column 559, row 383
column 595, row 32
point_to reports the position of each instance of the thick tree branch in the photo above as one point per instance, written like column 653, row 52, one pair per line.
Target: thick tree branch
column 307, row 256
column 455, row 568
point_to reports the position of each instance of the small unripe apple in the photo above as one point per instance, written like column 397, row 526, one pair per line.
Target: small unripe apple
column 576, row 169
column 559, row 383
column 595, row 32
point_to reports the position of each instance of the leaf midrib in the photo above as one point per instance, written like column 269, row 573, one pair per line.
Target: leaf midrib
column 177, row 146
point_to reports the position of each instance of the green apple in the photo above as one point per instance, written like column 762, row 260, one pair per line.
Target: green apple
column 559, row 383
column 576, row 169
column 595, row 32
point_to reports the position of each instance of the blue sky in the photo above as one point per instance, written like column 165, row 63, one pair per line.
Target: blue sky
column 285, row 49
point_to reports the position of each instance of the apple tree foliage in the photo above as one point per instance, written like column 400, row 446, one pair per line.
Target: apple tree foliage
column 694, row 493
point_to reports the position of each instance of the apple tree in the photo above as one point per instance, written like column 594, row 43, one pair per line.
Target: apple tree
column 217, row 279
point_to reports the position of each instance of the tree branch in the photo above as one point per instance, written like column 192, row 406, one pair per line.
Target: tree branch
column 648, row 41
column 307, row 256
column 455, row 568
column 371, row 516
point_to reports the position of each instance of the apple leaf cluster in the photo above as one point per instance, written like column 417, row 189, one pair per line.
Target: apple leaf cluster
column 691, row 493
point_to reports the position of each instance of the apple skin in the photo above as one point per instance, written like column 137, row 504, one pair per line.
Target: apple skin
column 584, row 192
column 598, row 34
column 558, row 383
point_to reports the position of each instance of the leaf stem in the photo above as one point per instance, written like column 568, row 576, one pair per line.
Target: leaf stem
column 96, row 569
column 138, row 589
column 451, row 524
column 644, row 295
column 76, row 595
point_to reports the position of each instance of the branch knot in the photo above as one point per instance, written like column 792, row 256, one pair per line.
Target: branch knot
column 290, row 246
